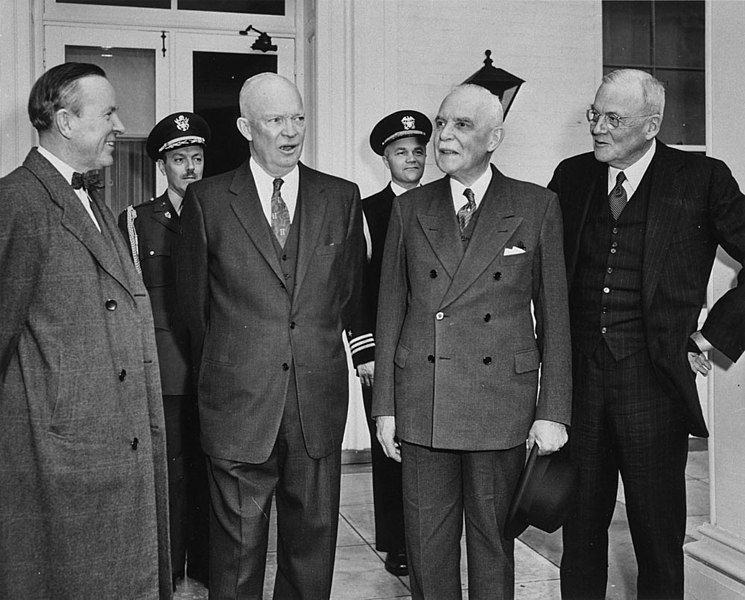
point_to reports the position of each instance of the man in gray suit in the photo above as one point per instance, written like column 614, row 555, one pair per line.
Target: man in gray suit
column 269, row 271
column 83, row 499
column 467, row 260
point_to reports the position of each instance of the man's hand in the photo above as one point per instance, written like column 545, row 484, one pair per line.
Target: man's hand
column 549, row 435
column 698, row 361
column 386, row 426
column 366, row 373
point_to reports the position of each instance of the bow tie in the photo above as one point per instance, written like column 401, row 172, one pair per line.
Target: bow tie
column 89, row 181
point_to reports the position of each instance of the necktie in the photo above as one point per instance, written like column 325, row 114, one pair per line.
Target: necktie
column 89, row 181
column 466, row 211
column 280, row 214
column 618, row 198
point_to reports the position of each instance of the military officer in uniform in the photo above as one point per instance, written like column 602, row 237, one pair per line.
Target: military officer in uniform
column 176, row 144
column 401, row 140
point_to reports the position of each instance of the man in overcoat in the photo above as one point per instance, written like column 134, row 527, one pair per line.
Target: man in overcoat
column 83, row 498
column 269, row 271
column 151, row 230
column 642, row 223
column 468, row 261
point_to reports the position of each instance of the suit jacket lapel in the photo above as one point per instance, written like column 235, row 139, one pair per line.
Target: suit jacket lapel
column 78, row 222
column 497, row 222
column 665, row 200
column 314, row 203
column 247, row 208
column 440, row 227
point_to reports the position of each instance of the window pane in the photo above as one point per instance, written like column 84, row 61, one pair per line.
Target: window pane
column 679, row 33
column 257, row 7
column 685, row 118
column 627, row 38
column 130, row 3
column 218, row 78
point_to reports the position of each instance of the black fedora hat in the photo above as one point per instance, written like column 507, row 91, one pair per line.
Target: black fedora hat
column 545, row 493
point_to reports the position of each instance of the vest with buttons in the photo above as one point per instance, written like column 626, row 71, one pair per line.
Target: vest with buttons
column 606, row 298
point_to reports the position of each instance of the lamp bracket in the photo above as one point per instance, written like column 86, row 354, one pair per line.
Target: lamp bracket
column 263, row 43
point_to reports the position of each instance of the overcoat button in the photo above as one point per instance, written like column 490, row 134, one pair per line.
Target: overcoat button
column 110, row 304
column 433, row 273
column 487, row 317
column 497, row 276
column 431, row 358
column 487, row 360
column 123, row 375
column 439, row 316
column 135, row 443
column 292, row 324
column 285, row 367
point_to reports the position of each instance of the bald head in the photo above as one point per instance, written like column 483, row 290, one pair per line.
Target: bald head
column 273, row 121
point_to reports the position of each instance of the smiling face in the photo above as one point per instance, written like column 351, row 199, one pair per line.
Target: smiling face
column 181, row 167
column 273, row 121
column 94, row 127
column 405, row 158
column 467, row 131
column 623, row 146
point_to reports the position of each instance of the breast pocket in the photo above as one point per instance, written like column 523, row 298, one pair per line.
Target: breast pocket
column 155, row 260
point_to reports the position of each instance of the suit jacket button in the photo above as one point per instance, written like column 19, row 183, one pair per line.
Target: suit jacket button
column 487, row 317
column 110, row 304
column 433, row 273
column 431, row 358
column 497, row 276
column 285, row 367
column 292, row 324
column 487, row 360
column 123, row 375
column 135, row 443
column 439, row 316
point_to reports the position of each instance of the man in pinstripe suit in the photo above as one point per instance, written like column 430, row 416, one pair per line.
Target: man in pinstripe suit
column 642, row 223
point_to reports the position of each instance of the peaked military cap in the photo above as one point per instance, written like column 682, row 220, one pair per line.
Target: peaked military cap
column 400, row 124
column 176, row 130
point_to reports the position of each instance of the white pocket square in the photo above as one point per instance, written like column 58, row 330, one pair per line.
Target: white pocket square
column 514, row 250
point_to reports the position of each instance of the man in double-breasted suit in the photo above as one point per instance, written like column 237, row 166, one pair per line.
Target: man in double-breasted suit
column 83, row 498
column 151, row 230
column 467, row 260
column 269, row 270
column 642, row 223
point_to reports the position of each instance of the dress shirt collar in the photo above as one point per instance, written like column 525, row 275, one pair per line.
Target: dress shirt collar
column 265, row 186
column 634, row 173
column 398, row 190
column 478, row 188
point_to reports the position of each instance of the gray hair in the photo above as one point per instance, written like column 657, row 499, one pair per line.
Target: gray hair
column 653, row 92
column 492, row 102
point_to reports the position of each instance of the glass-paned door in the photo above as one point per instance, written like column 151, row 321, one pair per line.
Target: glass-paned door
column 134, row 64
column 211, row 71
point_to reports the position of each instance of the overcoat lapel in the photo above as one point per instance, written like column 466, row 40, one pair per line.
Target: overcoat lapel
column 247, row 208
column 665, row 202
column 496, row 224
column 315, row 202
column 77, row 220
column 574, row 213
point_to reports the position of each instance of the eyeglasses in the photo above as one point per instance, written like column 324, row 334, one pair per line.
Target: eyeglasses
column 612, row 120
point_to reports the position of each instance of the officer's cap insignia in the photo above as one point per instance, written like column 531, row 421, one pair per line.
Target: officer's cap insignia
column 182, row 123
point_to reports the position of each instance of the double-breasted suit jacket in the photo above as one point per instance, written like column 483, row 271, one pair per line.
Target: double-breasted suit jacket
column 158, row 229
column 695, row 205
column 458, row 354
column 83, row 498
column 249, row 333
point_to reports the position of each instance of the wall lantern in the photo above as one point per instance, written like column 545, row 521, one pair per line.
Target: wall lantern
column 498, row 81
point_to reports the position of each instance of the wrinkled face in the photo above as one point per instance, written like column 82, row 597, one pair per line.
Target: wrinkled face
column 273, row 121
column 94, row 129
column 181, row 166
column 466, row 133
column 405, row 158
column 623, row 146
